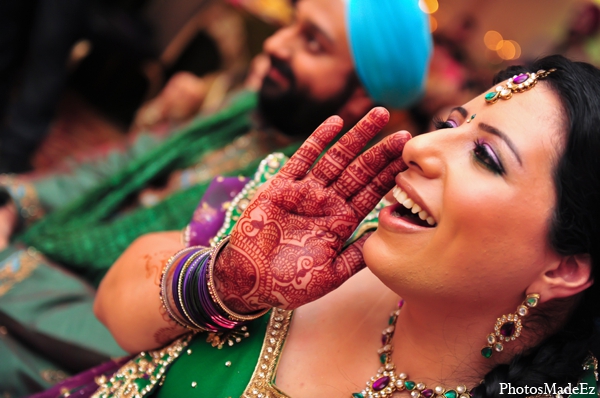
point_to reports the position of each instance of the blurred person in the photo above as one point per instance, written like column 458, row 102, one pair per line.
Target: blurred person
column 36, row 40
column 327, row 61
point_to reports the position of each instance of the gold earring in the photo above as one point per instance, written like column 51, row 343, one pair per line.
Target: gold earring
column 508, row 327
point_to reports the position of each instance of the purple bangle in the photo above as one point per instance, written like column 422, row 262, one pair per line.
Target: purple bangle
column 209, row 305
column 195, row 308
column 194, row 259
column 187, row 284
column 175, row 281
column 165, row 293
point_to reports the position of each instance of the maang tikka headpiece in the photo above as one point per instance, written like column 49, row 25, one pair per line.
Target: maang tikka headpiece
column 516, row 84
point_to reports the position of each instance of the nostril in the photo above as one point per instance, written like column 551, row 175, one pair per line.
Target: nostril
column 414, row 164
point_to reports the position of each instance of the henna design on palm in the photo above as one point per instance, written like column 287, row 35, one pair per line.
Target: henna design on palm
column 287, row 248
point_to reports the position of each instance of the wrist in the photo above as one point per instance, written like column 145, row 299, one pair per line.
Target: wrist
column 225, row 279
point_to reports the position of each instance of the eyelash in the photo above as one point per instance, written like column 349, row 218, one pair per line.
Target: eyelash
column 481, row 150
column 486, row 156
column 440, row 124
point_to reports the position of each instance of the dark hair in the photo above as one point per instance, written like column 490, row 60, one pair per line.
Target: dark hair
column 575, row 229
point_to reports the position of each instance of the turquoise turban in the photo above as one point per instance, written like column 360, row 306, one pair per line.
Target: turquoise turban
column 391, row 44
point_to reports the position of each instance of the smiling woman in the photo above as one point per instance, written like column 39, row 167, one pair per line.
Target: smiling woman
column 493, row 244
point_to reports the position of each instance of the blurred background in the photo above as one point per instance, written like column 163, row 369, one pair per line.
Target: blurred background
column 124, row 58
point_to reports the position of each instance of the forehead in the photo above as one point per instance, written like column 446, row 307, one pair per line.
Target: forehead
column 536, row 113
column 328, row 16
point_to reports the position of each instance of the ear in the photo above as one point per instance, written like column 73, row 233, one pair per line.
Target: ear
column 356, row 107
column 568, row 276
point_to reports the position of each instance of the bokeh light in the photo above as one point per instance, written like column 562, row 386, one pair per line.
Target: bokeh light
column 492, row 39
column 429, row 6
column 508, row 50
column 517, row 49
column 433, row 23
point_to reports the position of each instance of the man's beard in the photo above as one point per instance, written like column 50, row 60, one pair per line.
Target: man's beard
column 293, row 111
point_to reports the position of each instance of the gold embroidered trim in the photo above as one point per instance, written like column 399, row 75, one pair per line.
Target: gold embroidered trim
column 53, row 376
column 17, row 268
column 262, row 380
column 140, row 376
column 25, row 197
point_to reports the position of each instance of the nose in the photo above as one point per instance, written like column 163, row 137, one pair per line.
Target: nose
column 426, row 153
column 280, row 44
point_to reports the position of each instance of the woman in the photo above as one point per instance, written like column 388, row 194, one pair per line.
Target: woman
column 503, row 220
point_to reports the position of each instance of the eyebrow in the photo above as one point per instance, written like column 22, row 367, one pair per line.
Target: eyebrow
column 316, row 30
column 495, row 131
column 460, row 110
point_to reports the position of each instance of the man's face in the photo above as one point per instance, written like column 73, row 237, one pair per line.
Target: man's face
column 311, row 75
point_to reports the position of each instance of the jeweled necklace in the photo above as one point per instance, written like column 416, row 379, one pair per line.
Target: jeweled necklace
column 387, row 381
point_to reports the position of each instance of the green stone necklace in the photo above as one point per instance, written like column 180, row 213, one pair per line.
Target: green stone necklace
column 387, row 381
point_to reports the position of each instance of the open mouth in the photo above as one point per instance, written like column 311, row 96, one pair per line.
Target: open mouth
column 409, row 211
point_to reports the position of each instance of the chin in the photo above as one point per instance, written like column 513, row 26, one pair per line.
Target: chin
column 372, row 253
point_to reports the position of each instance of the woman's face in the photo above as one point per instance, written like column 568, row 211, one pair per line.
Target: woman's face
column 487, row 185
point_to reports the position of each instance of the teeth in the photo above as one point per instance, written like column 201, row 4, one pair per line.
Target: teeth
column 403, row 198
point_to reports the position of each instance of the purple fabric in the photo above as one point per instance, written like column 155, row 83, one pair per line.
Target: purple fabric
column 83, row 385
column 206, row 222
column 210, row 213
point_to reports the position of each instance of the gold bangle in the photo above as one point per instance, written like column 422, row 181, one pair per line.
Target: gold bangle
column 164, row 295
column 186, row 265
column 212, row 290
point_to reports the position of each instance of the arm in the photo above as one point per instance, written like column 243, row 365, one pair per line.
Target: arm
column 128, row 301
column 295, row 229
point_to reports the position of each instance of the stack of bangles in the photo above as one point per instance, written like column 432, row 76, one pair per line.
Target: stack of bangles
column 189, row 295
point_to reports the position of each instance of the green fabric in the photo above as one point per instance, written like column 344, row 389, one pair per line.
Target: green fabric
column 87, row 237
column 587, row 385
column 47, row 304
column 58, row 190
column 206, row 366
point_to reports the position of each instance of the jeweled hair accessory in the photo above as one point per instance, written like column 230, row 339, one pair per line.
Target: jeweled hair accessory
column 516, row 84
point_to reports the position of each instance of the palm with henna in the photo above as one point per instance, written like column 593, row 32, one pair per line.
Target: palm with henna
column 287, row 249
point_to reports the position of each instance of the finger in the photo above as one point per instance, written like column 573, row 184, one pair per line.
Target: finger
column 309, row 151
column 350, row 145
column 368, row 165
column 350, row 261
column 365, row 200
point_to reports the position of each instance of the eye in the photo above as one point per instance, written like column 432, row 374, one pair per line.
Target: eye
column 440, row 124
column 312, row 44
column 485, row 155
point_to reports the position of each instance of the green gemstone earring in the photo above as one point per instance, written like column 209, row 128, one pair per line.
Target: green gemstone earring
column 508, row 327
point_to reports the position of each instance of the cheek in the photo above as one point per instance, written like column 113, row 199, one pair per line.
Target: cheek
column 505, row 231
column 321, row 75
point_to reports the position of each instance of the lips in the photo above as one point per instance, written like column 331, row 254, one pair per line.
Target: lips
column 281, row 73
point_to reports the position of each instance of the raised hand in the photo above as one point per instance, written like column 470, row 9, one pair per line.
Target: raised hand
column 286, row 248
